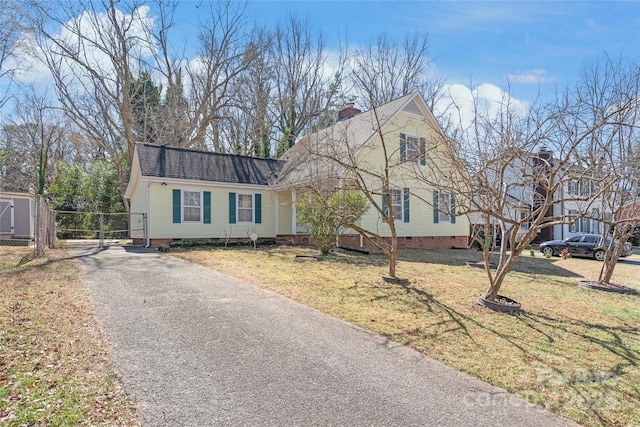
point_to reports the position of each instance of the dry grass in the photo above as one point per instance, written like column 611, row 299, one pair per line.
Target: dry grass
column 572, row 350
column 55, row 367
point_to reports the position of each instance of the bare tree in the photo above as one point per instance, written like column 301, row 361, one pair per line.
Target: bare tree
column 92, row 53
column 510, row 169
column 97, row 49
column 226, row 51
column 12, row 25
column 388, row 70
column 616, row 152
column 305, row 88
column 247, row 126
column 34, row 142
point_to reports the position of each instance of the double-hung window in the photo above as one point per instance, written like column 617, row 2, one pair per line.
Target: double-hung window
column 399, row 201
column 397, row 204
column 579, row 224
column 245, row 207
column 191, row 206
column 412, row 149
column 444, row 208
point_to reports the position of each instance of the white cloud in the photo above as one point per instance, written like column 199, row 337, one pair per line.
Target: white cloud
column 460, row 103
column 97, row 31
column 531, row 77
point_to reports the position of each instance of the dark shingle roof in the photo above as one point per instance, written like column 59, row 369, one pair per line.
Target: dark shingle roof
column 180, row 163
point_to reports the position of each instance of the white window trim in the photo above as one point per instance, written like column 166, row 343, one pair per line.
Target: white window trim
column 401, row 219
column 253, row 208
column 440, row 212
column 182, row 205
column 415, row 158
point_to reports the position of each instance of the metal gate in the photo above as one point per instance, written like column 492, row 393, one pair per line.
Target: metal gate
column 105, row 227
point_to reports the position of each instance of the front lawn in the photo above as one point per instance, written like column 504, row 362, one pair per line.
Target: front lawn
column 55, row 365
column 572, row 350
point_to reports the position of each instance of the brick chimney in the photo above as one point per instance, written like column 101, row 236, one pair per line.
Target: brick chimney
column 347, row 112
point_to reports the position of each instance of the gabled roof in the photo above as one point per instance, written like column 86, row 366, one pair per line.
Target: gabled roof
column 180, row 163
column 310, row 155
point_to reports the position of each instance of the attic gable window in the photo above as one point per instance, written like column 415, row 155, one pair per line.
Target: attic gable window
column 412, row 149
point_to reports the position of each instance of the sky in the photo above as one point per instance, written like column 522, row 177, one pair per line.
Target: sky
column 478, row 47
column 528, row 45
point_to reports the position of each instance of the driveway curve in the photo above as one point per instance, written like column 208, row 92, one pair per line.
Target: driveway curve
column 195, row 347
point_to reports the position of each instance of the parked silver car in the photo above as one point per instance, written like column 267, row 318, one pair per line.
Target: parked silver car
column 582, row 245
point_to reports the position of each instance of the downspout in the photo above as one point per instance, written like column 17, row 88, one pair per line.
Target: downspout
column 294, row 214
column 148, row 216
column 277, row 214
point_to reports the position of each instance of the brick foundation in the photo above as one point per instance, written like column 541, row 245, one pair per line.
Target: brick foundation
column 348, row 240
column 414, row 242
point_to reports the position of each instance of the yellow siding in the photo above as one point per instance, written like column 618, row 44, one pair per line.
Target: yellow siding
column 162, row 226
column 285, row 213
column 372, row 158
column 139, row 204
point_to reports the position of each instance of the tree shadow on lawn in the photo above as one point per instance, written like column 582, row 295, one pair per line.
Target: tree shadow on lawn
column 454, row 258
column 542, row 324
column 616, row 340
column 458, row 257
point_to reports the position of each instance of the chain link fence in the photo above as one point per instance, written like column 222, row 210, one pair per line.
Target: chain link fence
column 98, row 225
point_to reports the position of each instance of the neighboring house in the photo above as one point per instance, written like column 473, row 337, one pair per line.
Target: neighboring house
column 17, row 215
column 582, row 205
column 188, row 194
column 518, row 197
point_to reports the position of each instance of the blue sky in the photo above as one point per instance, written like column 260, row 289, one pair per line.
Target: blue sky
column 479, row 46
column 494, row 42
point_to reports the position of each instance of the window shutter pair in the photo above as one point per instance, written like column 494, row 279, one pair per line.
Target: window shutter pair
column 177, row 206
column 257, row 208
column 436, row 207
column 385, row 206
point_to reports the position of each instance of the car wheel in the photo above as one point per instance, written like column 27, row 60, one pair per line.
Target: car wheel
column 548, row 251
column 599, row 255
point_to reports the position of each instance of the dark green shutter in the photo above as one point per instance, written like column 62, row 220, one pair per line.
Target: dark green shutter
column 405, row 194
column 435, row 207
column 385, row 208
column 403, row 146
column 232, row 208
column 453, row 209
column 258, row 214
column 177, row 206
column 207, row 206
column 423, row 152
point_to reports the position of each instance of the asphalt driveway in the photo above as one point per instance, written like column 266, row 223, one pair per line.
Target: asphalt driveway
column 198, row 348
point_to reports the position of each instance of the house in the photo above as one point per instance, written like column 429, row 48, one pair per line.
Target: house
column 581, row 203
column 187, row 194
